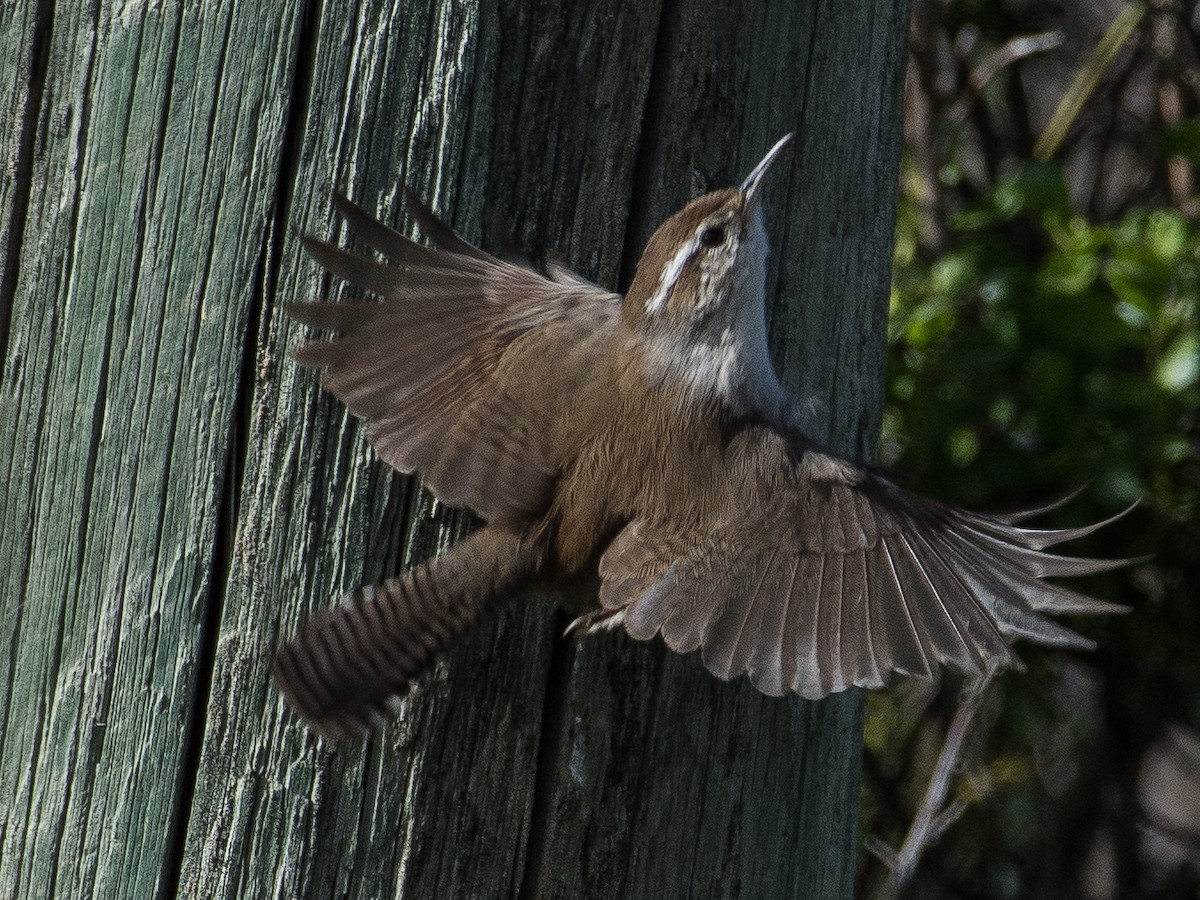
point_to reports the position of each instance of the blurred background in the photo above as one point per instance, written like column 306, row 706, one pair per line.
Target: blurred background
column 1044, row 337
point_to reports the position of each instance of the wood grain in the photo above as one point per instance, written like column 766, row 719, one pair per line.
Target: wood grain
column 176, row 494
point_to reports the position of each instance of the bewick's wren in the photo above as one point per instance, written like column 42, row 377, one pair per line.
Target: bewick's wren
column 646, row 437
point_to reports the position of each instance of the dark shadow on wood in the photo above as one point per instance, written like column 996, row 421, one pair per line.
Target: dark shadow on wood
column 21, row 173
column 550, row 750
column 639, row 225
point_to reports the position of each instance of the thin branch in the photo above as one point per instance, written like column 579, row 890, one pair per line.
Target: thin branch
column 1087, row 78
column 1180, row 178
column 1013, row 51
column 878, row 848
column 934, row 816
column 1006, row 54
column 945, row 819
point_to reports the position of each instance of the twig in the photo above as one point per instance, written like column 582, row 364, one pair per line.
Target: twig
column 1180, row 178
column 1012, row 51
column 881, row 851
column 1087, row 78
column 933, row 817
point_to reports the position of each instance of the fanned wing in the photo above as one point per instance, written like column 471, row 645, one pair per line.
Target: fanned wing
column 814, row 575
column 424, row 365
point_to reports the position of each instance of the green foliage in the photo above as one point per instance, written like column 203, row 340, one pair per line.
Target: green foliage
column 1037, row 353
column 1042, row 351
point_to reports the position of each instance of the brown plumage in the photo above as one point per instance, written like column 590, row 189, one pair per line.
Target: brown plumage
column 646, row 438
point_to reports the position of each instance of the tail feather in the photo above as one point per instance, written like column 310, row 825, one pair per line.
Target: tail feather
column 345, row 669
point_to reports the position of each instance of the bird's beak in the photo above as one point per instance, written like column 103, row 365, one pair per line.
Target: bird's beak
column 750, row 187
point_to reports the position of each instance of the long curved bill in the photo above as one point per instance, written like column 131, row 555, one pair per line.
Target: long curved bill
column 751, row 185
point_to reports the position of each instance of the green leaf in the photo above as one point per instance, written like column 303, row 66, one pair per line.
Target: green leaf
column 1131, row 315
column 1069, row 273
column 963, row 446
column 1043, row 188
column 1129, row 282
column 952, row 273
column 1179, row 367
column 1166, row 232
column 1008, row 199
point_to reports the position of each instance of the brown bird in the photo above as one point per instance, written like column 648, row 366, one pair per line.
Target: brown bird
column 645, row 438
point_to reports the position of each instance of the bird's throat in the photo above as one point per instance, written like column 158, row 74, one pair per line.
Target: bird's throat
column 728, row 362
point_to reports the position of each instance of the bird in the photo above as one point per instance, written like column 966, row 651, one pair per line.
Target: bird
column 645, row 443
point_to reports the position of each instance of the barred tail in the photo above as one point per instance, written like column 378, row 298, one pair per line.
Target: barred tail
column 343, row 672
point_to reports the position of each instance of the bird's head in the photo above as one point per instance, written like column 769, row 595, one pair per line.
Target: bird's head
column 696, row 303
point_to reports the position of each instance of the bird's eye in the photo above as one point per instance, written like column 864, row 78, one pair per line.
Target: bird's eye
column 712, row 237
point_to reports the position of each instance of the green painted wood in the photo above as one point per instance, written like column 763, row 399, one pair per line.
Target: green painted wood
column 152, row 187
column 277, row 812
column 178, row 495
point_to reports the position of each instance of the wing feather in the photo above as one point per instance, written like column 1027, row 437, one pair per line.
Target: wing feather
column 692, row 614
column 976, row 637
column 923, row 594
column 807, row 678
column 726, row 620
column 793, row 626
column 439, row 232
column 423, row 367
column 644, row 619
column 1045, row 565
column 763, row 660
column 903, row 638
column 854, row 646
column 831, row 576
column 829, row 622
column 875, row 673
column 727, row 648
column 391, row 243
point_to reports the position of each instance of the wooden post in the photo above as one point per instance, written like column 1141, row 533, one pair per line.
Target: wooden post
column 176, row 494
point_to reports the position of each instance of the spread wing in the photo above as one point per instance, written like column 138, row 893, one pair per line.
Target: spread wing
column 813, row 575
column 425, row 365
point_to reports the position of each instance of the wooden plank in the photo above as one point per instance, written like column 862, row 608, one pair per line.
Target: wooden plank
column 662, row 781
column 475, row 107
column 153, row 182
column 277, row 811
column 181, row 493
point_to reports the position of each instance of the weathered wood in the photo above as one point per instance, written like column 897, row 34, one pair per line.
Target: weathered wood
column 153, row 182
column 436, row 805
column 178, row 493
column 662, row 781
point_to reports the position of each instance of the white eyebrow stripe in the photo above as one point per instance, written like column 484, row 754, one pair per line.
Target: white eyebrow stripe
column 672, row 272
